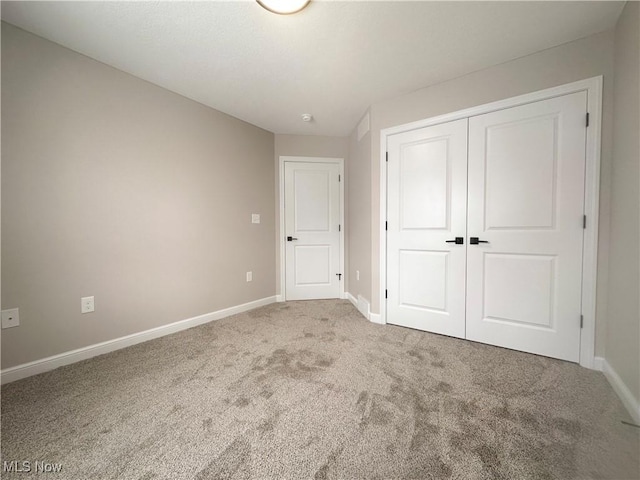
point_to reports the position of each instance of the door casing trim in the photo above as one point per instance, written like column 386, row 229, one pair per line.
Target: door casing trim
column 281, row 236
column 593, row 88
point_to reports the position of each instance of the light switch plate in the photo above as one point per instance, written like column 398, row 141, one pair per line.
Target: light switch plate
column 255, row 218
column 10, row 318
column 249, row 276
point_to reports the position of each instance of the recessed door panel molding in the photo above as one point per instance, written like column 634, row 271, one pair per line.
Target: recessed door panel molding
column 313, row 265
column 418, row 270
column 427, row 183
column 312, row 230
column 524, row 285
column 425, row 186
column 312, row 204
column 530, row 281
column 520, row 181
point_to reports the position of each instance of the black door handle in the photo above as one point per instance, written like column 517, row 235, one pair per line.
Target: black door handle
column 476, row 241
column 290, row 239
column 457, row 241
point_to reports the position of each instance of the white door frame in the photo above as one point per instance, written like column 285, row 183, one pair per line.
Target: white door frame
column 593, row 87
column 283, row 270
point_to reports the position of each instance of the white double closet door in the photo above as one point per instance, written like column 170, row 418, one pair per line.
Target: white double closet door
column 512, row 181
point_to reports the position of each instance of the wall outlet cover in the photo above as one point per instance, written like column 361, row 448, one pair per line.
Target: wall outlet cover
column 10, row 318
column 249, row 276
column 255, row 218
column 87, row 304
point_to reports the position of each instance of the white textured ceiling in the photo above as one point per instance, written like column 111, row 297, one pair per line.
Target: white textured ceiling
column 332, row 60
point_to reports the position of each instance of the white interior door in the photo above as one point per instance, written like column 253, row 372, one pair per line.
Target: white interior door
column 427, row 191
column 312, row 230
column 526, row 200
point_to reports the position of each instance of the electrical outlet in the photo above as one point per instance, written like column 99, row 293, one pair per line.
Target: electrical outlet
column 249, row 276
column 255, row 218
column 10, row 318
column 357, row 274
column 87, row 305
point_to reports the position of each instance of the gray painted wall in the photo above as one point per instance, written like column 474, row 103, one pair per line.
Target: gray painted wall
column 623, row 327
column 359, row 214
column 117, row 188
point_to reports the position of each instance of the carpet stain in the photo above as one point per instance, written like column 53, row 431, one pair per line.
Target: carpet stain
column 175, row 409
column 527, row 419
column 444, row 387
column 266, row 393
column 312, row 440
column 362, row 399
column 570, row 427
column 373, row 410
column 502, row 411
column 415, row 354
column 269, row 424
column 329, row 336
column 241, row 402
column 233, row 462
column 490, row 462
column 324, row 362
column 438, row 364
column 432, row 468
column 323, row 472
column 298, row 364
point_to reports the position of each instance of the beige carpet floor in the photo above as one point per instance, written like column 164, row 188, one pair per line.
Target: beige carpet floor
column 313, row 390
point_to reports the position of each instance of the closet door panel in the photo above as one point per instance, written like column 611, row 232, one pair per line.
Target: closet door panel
column 427, row 183
column 526, row 200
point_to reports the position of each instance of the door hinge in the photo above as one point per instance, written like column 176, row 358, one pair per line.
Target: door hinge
column 587, row 122
column 584, row 221
column 386, row 225
column 386, row 294
column 339, row 228
column 581, row 321
column 339, row 178
column 387, row 156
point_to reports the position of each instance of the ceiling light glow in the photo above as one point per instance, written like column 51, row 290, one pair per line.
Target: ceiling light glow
column 284, row 7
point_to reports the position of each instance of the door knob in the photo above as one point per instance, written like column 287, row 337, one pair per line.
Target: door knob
column 290, row 239
column 476, row 241
column 457, row 241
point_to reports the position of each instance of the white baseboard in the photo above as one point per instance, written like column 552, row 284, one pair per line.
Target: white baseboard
column 44, row 365
column 361, row 303
column 352, row 299
column 279, row 298
column 363, row 306
column 375, row 318
column 598, row 363
column 628, row 399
